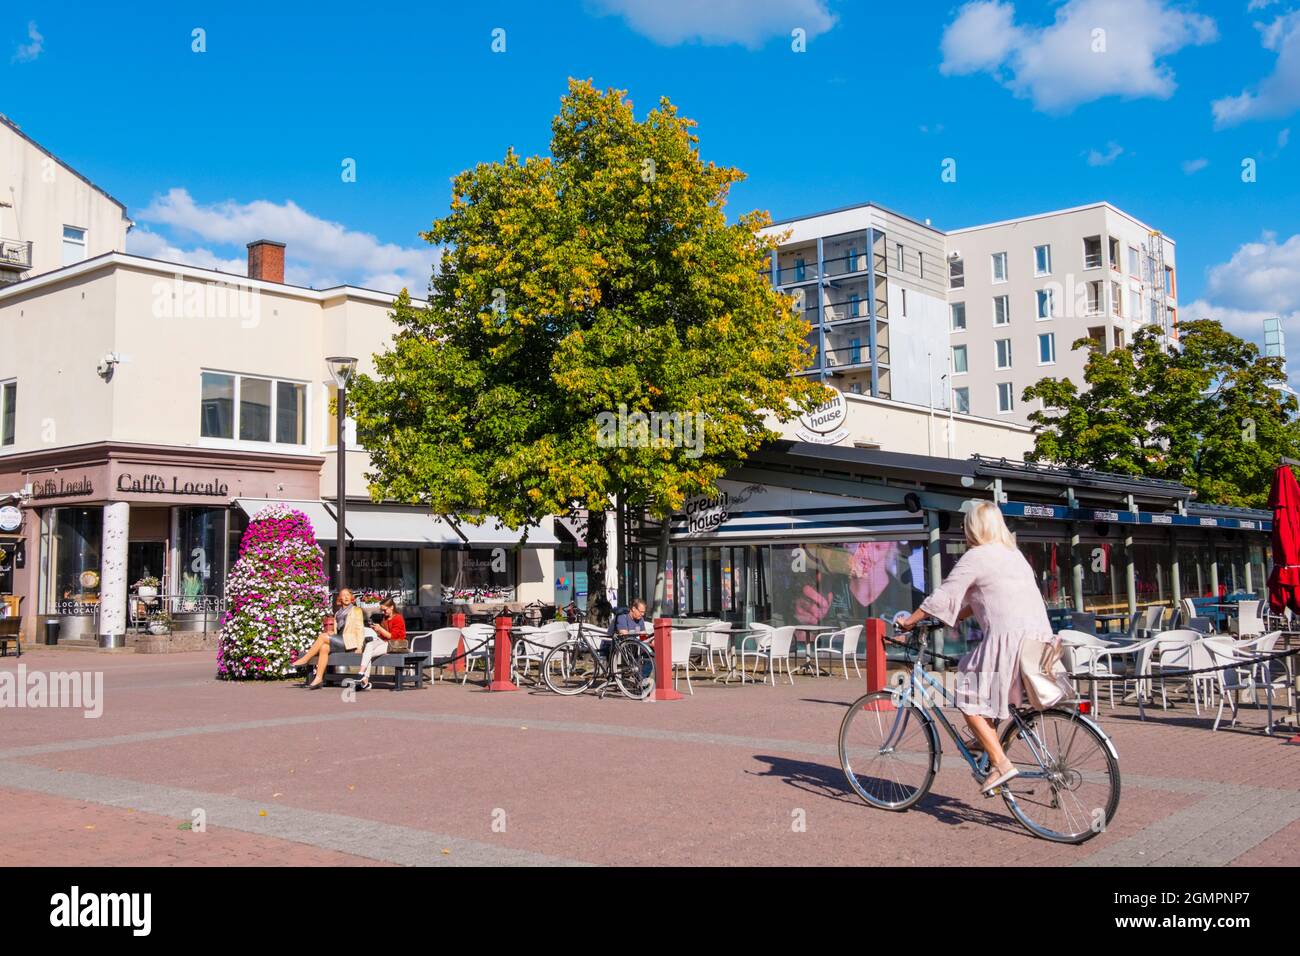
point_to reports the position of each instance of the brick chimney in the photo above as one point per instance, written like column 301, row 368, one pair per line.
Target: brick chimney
column 266, row 260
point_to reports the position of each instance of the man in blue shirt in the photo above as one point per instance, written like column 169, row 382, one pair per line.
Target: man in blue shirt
column 628, row 620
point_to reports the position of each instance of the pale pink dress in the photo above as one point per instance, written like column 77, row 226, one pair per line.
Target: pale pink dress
column 999, row 586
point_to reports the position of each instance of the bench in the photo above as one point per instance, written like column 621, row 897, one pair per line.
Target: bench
column 404, row 665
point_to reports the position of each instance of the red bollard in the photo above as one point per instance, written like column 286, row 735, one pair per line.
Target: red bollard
column 501, row 657
column 877, row 667
column 664, row 661
column 458, row 620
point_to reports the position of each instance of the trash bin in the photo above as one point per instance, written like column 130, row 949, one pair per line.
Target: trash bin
column 52, row 631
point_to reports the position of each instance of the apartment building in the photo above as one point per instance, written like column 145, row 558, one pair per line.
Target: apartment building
column 966, row 319
column 1022, row 291
column 50, row 215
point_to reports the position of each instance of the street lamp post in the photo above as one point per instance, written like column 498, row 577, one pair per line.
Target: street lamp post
column 342, row 368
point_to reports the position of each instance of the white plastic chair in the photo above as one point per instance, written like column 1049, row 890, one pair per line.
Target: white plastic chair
column 435, row 645
column 711, row 639
column 535, row 645
column 849, row 638
column 1234, row 680
column 771, row 646
column 1175, row 650
column 474, row 635
column 1250, row 619
column 682, row 642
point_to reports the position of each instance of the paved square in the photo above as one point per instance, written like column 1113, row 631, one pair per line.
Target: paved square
column 452, row 775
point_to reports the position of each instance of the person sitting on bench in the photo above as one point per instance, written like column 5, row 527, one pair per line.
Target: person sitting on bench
column 349, row 633
column 392, row 634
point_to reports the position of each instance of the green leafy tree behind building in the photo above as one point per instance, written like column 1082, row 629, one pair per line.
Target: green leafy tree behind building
column 1210, row 412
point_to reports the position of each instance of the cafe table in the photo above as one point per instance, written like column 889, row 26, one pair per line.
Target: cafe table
column 810, row 642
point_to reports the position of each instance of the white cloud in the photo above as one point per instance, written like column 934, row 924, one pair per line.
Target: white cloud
column 750, row 23
column 1260, row 276
column 26, row 52
column 1093, row 49
column 1113, row 152
column 318, row 253
column 1278, row 94
column 1191, row 166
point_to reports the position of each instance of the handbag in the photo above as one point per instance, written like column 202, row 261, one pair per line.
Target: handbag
column 398, row 647
column 1042, row 673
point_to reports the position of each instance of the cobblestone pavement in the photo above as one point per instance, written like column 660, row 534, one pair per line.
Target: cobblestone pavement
column 452, row 775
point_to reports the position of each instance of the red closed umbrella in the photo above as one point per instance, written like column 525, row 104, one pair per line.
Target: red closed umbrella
column 1284, row 579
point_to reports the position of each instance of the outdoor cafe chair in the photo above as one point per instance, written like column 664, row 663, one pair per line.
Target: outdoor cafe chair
column 714, row 638
column 1234, row 680
column 1250, row 619
column 1175, row 650
column 770, row 647
column 436, row 645
column 1129, row 659
column 534, row 645
column 1201, row 625
column 682, row 643
column 1080, row 654
column 1151, row 623
column 1274, row 670
column 1084, row 621
column 475, row 636
column 849, row 638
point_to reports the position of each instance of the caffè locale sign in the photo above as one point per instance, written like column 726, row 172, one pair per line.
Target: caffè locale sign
column 160, row 485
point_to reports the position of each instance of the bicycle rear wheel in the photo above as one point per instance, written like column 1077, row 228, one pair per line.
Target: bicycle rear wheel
column 887, row 751
column 1068, row 788
column 634, row 670
column 570, row 668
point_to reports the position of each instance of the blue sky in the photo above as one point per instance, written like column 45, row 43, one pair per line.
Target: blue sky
column 1039, row 110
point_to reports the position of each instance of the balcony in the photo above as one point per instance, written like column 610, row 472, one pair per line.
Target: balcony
column 15, row 257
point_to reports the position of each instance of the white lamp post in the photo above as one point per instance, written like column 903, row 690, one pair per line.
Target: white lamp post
column 342, row 369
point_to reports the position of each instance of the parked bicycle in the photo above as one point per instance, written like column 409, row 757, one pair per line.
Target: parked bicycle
column 579, row 665
column 1069, row 784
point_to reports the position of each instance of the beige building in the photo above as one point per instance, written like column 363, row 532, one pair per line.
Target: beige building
column 50, row 215
column 153, row 408
column 968, row 318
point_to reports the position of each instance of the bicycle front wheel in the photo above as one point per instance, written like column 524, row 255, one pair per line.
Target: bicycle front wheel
column 570, row 668
column 634, row 670
column 1068, row 788
column 888, row 750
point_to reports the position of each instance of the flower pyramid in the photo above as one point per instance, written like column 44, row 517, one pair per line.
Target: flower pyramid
column 277, row 596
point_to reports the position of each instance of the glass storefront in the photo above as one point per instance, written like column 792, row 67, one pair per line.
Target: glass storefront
column 70, row 548
column 1151, row 570
column 1105, row 577
column 201, row 551
column 1051, row 563
column 377, row 573
column 479, row 576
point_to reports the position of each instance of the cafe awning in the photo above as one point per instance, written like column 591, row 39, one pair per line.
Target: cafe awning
column 398, row 526
column 491, row 535
column 321, row 518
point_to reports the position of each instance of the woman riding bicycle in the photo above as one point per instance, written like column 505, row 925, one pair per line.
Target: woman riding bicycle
column 995, row 583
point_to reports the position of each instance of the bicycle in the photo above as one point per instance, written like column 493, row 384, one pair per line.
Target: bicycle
column 1068, row 787
column 578, row 665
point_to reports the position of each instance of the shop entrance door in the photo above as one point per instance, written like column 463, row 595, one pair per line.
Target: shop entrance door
column 145, row 559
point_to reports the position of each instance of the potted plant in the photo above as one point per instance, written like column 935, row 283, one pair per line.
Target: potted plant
column 160, row 622
column 147, row 586
column 190, row 587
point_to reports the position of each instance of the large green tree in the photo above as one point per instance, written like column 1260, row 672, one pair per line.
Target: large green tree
column 578, row 289
column 1210, row 412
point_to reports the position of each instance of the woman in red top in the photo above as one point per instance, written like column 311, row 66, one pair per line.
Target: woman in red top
column 392, row 629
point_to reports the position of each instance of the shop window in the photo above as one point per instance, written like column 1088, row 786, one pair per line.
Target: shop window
column 377, row 573
column 70, row 548
column 200, row 549
column 479, row 576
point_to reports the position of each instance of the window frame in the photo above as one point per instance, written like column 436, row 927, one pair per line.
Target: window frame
column 1011, row 398
column 956, row 273
column 965, row 354
column 964, row 390
column 1051, row 342
column 1006, row 302
column 1047, row 246
column 994, row 259
column 6, row 385
column 952, row 316
column 1051, row 304
column 998, row 344
column 254, row 444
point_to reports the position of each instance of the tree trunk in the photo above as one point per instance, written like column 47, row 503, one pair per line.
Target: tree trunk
column 661, row 570
column 597, row 564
